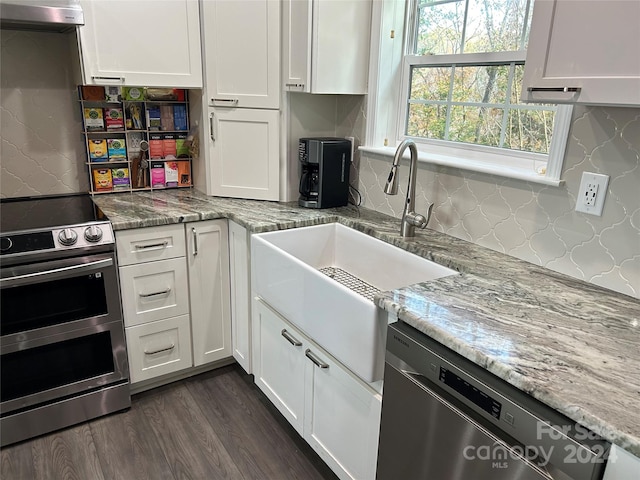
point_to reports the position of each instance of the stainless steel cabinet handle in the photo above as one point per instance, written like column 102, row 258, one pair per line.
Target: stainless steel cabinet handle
column 290, row 338
column 195, row 241
column 225, row 100
column 153, row 352
column 554, row 89
column 163, row 292
column 108, row 79
column 211, row 134
column 311, row 356
column 152, row 246
column 297, row 85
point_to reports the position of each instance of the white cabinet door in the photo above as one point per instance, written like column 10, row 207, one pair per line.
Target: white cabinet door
column 326, row 46
column 242, row 53
column 150, row 244
column 208, row 264
column 279, row 366
column 158, row 348
column 244, row 153
column 621, row 465
column 590, row 46
column 240, row 296
column 144, row 43
column 154, row 290
column 342, row 417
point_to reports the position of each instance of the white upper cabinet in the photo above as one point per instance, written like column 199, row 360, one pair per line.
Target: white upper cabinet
column 589, row 48
column 153, row 44
column 326, row 46
column 242, row 53
column 244, row 150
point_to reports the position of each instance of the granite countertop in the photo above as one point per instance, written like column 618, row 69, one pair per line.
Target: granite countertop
column 570, row 344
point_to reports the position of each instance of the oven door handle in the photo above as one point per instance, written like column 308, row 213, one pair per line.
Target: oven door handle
column 30, row 276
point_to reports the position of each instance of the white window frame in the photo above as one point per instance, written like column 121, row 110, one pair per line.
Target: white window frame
column 387, row 106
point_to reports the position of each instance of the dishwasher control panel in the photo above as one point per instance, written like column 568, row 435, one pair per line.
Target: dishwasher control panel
column 474, row 394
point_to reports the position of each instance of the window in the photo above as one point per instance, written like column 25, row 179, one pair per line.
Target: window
column 460, row 76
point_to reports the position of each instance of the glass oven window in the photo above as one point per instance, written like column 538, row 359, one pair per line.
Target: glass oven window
column 34, row 370
column 50, row 303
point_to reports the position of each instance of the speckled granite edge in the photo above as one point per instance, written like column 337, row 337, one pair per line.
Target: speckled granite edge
column 496, row 293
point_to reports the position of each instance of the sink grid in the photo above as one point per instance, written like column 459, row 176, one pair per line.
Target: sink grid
column 352, row 282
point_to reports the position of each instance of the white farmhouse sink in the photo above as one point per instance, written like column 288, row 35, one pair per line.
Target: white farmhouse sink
column 286, row 274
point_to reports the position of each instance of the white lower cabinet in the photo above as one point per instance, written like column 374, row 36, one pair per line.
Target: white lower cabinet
column 154, row 291
column 621, row 465
column 279, row 363
column 174, row 282
column 240, row 295
column 158, row 348
column 336, row 413
column 341, row 418
column 208, row 267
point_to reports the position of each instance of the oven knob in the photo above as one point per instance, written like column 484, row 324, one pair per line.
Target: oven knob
column 93, row 234
column 5, row 244
column 67, row 237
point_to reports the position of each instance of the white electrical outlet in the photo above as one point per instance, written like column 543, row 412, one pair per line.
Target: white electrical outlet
column 593, row 189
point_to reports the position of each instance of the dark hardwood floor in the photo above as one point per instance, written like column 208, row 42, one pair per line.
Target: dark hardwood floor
column 217, row 425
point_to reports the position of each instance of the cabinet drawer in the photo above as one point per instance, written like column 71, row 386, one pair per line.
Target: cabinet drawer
column 154, row 291
column 150, row 244
column 158, row 348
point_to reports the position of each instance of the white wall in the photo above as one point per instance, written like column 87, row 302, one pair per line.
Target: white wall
column 42, row 150
column 538, row 223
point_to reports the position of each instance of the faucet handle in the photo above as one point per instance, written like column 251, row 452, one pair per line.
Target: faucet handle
column 416, row 219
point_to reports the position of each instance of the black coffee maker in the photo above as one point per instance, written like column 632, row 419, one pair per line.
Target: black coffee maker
column 324, row 172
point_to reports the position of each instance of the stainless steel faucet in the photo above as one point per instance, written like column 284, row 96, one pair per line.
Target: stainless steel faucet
column 410, row 219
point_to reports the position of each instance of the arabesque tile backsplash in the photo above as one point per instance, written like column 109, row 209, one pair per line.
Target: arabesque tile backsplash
column 42, row 153
column 534, row 222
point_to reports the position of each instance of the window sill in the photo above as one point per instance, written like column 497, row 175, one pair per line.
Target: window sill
column 471, row 165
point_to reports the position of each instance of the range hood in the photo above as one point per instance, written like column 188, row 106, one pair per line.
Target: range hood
column 41, row 15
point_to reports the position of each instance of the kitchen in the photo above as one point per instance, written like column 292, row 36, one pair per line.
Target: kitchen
column 532, row 222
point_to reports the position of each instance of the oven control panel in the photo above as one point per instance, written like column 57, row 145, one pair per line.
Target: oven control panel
column 75, row 236
column 83, row 236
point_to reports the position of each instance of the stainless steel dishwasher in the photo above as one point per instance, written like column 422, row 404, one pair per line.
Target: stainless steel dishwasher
column 446, row 418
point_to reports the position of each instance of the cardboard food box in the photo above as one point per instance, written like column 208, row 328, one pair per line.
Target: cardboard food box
column 166, row 118
column 102, row 180
column 120, row 177
column 180, row 117
column 135, row 94
column 184, row 174
column 169, row 145
column 114, row 118
column 156, row 146
column 182, row 147
column 153, row 118
column 92, row 92
column 113, row 94
column 157, row 174
column 117, row 149
column 98, row 150
column 93, row 120
column 171, row 174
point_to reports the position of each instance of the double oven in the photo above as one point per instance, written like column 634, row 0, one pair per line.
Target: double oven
column 63, row 350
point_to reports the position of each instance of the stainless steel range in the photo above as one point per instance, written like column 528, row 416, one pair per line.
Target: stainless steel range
column 63, row 357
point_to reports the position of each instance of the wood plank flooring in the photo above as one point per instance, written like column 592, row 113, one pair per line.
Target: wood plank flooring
column 217, row 425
